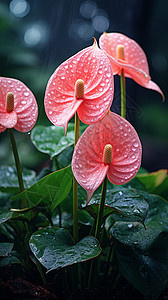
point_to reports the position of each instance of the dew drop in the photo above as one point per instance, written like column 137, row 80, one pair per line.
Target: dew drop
column 26, row 94
column 23, row 102
column 135, row 144
column 108, row 74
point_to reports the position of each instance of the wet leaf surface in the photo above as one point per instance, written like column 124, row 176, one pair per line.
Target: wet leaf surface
column 54, row 248
column 142, row 254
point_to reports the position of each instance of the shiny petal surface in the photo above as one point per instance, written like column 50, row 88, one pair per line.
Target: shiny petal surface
column 87, row 163
column 135, row 64
column 93, row 67
column 8, row 120
column 25, row 105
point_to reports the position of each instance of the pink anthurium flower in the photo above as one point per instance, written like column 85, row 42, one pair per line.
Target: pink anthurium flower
column 124, row 53
column 109, row 147
column 18, row 107
column 83, row 83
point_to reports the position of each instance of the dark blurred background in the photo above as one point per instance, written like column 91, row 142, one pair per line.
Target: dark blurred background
column 38, row 35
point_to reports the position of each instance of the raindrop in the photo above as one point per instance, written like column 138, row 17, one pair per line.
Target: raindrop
column 135, row 144
column 108, row 74
column 26, row 94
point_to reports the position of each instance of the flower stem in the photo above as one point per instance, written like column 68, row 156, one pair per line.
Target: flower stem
column 99, row 221
column 101, row 208
column 18, row 165
column 75, row 187
column 123, row 94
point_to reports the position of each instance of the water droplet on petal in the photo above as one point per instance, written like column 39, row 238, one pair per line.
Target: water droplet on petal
column 135, row 144
column 26, row 94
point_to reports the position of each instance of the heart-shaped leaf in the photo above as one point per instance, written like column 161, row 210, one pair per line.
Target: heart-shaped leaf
column 9, row 179
column 52, row 139
column 50, row 190
column 54, row 248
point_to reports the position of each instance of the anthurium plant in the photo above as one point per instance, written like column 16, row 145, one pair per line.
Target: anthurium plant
column 95, row 216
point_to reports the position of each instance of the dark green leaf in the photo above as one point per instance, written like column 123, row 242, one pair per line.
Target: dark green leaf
column 10, row 259
column 142, row 254
column 127, row 202
column 5, row 215
column 50, row 190
column 54, row 248
column 9, row 180
column 5, row 248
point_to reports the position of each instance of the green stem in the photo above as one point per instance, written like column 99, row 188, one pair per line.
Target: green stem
column 123, row 94
column 101, row 209
column 99, row 221
column 18, row 165
column 75, row 187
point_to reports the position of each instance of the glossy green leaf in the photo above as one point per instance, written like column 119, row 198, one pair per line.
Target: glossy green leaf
column 5, row 215
column 142, row 252
column 50, row 190
column 5, row 248
column 127, row 202
column 54, row 248
column 51, row 139
column 9, row 180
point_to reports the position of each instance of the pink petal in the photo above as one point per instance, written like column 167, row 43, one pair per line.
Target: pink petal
column 135, row 65
column 25, row 105
column 87, row 170
column 8, row 120
column 153, row 86
column 93, row 67
column 87, row 162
